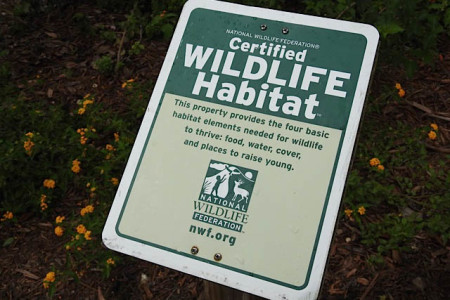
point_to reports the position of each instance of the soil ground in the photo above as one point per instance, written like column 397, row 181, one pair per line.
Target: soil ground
column 50, row 45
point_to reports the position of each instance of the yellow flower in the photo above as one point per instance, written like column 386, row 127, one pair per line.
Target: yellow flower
column 380, row 168
column 87, row 96
column 361, row 210
column 115, row 181
column 44, row 205
column 83, row 140
column 374, row 162
column 7, row 216
column 398, row 86
column 59, row 231
column 87, row 102
column 29, row 134
column 116, row 136
column 87, row 235
column 49, row 183
column 401, row 93
column 81, row 229
column 434, row 126
column 28, row 146
column 59, row 219
column 80, row 274
column 110, row 261
column 348, row 212
column 432, row 135
column 87, row 209
column 76, row 166
column 108, row 156
column 81, row 110
column 110, row 147
column 125, row 84
column 67, row 247
column 49, row 278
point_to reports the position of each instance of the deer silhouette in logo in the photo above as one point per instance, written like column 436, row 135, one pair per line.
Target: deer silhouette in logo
column 240, row 192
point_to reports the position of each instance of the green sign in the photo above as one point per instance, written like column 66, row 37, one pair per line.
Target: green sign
column 239, row 166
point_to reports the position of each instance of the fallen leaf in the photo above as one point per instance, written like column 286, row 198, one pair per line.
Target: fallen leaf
column 419, row 283
column 70, row 64
column 396, row 256
column 363, row 281
column 335, row 291
column 439, row 252
column 8, row 241
column 28, row 274
column 100, row 294
column 181, row 281
column 51, row 34
column 351, row 273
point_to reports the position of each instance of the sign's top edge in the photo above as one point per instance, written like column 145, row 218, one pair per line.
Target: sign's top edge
column 367, row 30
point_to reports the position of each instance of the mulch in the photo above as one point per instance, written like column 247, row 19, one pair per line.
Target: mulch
column 52, row 45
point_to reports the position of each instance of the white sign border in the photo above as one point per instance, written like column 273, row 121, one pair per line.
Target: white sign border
column 223, row 275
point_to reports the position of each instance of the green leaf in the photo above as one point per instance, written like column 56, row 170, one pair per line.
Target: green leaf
column 447, row 18
column 8, row 242
column 167, row 30
column 389, row 28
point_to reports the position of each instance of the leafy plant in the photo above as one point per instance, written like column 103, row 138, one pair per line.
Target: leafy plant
column 53, row 152
column 104, row 65
column 136, row 48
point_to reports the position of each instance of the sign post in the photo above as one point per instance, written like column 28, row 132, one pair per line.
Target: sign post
column 238, row 169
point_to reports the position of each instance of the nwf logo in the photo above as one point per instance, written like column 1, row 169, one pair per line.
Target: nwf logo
column 228, row 185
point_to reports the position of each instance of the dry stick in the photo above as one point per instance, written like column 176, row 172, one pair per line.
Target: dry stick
column 88, row 286
column 120, row 50
column 371, row 285
column 439, row 149
column 343, row 12
column 439, row 117
column 28, row 274
column 428, row 111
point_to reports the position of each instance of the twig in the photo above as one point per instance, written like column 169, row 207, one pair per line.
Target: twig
column 352, row 228
column 343, row 12
column 439, row 149
column 88, row 286
column 439, row 117
column 428, row 111
column 120, row 50
column 419, row 106
column 371, row 285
